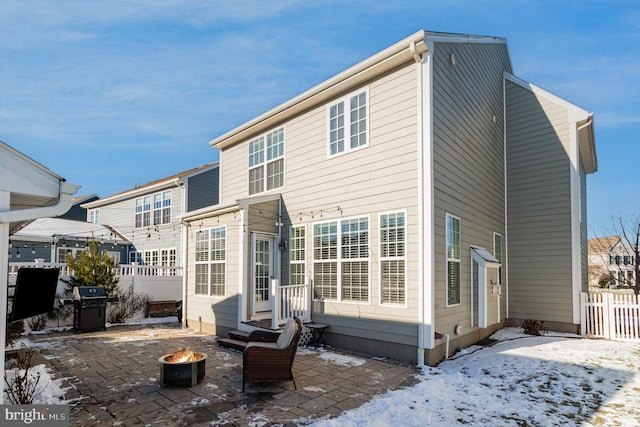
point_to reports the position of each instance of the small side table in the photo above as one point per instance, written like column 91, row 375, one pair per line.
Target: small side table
column 317, row 329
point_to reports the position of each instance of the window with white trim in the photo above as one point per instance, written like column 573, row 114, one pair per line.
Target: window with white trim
column 94, row 216
column 393, row 258
column 154, row 209
column 453, row 260
column 266, row 162
column 211, row 261
column 297, row 254
column 151, row 257
column 168, row 257
column 341, row 260
column 497, row 252
column 348, row 123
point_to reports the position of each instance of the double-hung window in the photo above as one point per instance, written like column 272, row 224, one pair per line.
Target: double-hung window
column 153, row 209
column 453, row 260
column 94, row 216
column 211, row 261
column 266, row 162
column 393, row 258
column 297, row 255
column 341, row 260
column 348, row 123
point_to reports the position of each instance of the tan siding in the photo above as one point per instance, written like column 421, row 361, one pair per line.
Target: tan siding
column 539, row 208
column 468, row 161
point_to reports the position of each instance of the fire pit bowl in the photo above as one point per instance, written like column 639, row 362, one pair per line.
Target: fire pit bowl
column 182, row 373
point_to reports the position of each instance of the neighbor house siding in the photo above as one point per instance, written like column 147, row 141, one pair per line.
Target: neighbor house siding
column 539, row 207
column 203, row 189
column 468, row 162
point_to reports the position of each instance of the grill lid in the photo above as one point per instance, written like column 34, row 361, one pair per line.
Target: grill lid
column 89, row 292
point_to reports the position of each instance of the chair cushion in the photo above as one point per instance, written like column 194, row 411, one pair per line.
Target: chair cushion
column 290, row 329
column 262, row 344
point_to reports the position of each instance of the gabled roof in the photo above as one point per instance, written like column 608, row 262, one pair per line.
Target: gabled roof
column 409, row 49
column 582, row 118
column 159, row 184
column 602, row 244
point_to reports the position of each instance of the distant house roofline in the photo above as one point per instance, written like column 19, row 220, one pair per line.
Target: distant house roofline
column 156, row 185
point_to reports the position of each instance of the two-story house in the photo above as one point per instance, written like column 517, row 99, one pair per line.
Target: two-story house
column 612, row 262
column 420, row 200
column 147, row 215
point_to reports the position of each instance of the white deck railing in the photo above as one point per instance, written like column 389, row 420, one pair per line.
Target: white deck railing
column 610, row 316
column 290, row 301
column 122, row 270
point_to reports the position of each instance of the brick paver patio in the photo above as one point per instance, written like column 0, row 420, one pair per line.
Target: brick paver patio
column 114, row 379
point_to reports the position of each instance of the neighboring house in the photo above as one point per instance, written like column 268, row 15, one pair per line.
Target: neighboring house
column 421, row 199
column 53, row 239
column 147, row 216
column 611, row 262
column 77, row 212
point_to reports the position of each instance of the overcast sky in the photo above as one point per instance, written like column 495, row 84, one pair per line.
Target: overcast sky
column 111, row 94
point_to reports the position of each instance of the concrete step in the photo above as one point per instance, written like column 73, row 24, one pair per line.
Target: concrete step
column 239, row 335
column 234, row 344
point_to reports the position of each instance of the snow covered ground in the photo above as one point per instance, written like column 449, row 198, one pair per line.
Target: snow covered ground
column 557, row 379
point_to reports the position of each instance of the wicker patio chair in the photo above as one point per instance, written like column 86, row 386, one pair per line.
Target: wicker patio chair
column 269, row 355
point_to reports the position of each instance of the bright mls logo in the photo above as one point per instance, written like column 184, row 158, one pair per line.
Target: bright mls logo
column 36, row 415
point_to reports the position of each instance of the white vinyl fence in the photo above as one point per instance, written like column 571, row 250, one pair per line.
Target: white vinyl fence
column 610, row 316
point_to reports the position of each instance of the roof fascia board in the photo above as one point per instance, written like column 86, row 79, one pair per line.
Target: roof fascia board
column 132, row 193
column 576, row 114
column 359, row 73
column 463, row 38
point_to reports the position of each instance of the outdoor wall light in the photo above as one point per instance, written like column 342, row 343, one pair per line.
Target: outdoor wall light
column 282, row 245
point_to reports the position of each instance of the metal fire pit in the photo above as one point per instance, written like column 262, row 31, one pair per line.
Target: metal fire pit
column 182, row 374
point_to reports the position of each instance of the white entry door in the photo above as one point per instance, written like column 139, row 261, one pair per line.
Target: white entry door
column 263, row 272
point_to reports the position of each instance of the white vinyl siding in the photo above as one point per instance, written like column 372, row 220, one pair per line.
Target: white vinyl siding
column 348, row 123
column 266, row 162
column 341, row 263
column 393, row 258
column 453, row 260
column 210, row 259
column 297, row 246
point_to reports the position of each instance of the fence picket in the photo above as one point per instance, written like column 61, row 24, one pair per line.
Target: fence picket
column 611, row 316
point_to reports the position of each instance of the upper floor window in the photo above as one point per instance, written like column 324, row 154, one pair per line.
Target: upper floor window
column 348, row 123
column 94, row 216
column 266, row 162
column 453, row 260
column 153, row 209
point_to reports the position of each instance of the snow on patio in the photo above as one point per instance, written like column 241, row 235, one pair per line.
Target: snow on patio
column 557, row 379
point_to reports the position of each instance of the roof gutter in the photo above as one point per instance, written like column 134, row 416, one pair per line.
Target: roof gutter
column 65, row 201
column 401, row 52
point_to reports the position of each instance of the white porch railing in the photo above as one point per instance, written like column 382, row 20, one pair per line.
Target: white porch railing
column 290, row 301
column 610, row 316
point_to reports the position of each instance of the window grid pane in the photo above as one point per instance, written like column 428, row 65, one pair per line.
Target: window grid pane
column 298, row 274
column 256, row 180
column 202, row 275
column 336, row 128
column 358, row 109
column 275, row 174
column 325, row 280
column 453, row 260
column 217, row 279
column 355, row 281
column 393, row 280
column 355, row 238
column 392, row 245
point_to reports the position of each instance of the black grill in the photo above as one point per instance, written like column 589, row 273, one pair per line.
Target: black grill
column 89, row 308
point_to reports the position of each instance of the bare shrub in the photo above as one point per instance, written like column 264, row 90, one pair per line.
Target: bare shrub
column 22, row 385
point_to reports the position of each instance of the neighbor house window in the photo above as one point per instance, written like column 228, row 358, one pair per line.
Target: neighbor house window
column 341, row 260
column 266, row 162
column 94, row 216
column 153, row 209
column 393, row 258
column 211, row 261
column 348, row 123
column 168, row 257
column 297, row 256
column 453, row 260
column 151, row 257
